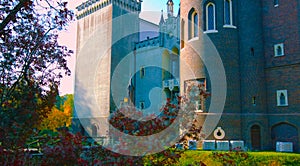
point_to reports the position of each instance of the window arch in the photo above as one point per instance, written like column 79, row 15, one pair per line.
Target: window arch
column 282, row 98
column 276, row 3
column 279, row 50
column 193, row 23
column 228, row 12
column 94, row 130
column 210, row 16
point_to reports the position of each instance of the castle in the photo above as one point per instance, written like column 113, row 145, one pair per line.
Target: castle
column 258, row 43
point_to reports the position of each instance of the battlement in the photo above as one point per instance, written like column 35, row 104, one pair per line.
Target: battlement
column 91, row 6
column 148, row 42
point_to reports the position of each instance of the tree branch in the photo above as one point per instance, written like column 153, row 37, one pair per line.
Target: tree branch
column 12, row 14
column 27, row 63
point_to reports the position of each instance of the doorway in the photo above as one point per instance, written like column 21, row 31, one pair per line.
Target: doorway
column 255, row 137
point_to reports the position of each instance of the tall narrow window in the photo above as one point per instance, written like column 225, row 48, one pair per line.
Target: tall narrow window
column 228, row 12
column 210, row 17
column 279, row 50
column 254, row 101
column 193, row 23
column 142, row 72
column 182, row 29
column 252, row 51
column 142, row 105
column 94, row 130
column 276, row 3
column 282, row 99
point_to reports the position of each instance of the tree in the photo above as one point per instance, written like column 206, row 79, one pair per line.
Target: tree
column 32, row 64
column 195, row 91
column 60, row 115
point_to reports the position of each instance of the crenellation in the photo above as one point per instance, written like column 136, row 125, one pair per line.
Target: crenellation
column 130, row 5
column 91, row 6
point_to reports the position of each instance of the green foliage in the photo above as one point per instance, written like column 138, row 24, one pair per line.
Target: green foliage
column 64, row 101
column 32, row 64
column 166, row 157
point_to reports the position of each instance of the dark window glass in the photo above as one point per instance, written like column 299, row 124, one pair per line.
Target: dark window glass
column 282, row 99
column 94, row 131
column 142, row 72
column 210, row 17
column 279, row 50
column 195, row 25
column 227, row 12
column 142, row 105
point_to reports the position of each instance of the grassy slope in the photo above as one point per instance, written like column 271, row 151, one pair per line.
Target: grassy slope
column 256, row 158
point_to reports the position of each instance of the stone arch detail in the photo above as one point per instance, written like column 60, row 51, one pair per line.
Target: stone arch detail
column 285, row 132
column 95, row 129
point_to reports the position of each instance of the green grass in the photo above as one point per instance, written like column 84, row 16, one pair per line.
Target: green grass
column 255, row 158
column 192, row 157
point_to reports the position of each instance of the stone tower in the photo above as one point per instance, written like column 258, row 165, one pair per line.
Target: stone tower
column 104, row 28
column 204, row 33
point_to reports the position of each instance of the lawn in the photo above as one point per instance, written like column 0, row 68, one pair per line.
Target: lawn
column 239, row 158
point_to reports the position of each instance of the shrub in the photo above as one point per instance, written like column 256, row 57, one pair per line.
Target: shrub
column 169, row 156
column 64, row 149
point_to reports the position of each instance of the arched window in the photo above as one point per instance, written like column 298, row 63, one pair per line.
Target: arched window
column 228, row 12
column 193, row 23
column 276, row 3
column 210, row 17
column 94, row 130
column 282, row 99
column 279, row 50
column 142, row 105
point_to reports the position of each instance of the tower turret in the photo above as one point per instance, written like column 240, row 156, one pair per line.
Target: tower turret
column 170, row 7
column 162, row 20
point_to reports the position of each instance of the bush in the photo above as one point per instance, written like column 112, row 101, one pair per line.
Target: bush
column 64, row 149
column 14, row 157
column 169, row 156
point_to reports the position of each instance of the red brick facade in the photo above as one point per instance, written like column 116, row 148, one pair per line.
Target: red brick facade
column 254, row 74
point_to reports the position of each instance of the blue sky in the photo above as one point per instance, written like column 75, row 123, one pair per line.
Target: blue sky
column 68, row 38
column 158, row 5
column 151, row 9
